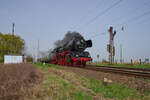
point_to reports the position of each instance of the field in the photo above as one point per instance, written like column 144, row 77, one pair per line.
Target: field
column 51, row 82
column 122, row 65
column 17, row 79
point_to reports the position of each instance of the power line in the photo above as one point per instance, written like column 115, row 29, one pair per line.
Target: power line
column 129, row 20
column 137, row 8
column 134, row 18
column 143, row 21
column 101, row 13
column 88, row 12
column 95, row 35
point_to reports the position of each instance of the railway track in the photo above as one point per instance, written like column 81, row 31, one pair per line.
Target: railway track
column 121, row 70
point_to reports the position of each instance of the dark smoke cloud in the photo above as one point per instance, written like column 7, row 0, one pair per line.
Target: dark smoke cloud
column 68, row 37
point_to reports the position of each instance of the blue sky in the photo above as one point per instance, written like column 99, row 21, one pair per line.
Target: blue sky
column 49, row 20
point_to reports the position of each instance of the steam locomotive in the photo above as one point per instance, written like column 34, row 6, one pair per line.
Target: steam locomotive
column 71, row 51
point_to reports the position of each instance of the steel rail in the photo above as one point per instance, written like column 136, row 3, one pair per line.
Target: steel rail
column 126, row 71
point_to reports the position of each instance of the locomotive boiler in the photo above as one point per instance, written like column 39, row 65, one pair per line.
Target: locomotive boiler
column 71, row 50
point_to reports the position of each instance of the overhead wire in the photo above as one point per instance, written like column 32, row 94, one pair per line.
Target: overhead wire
column 137, row 8
column 144, row 21
column 101, row 13
column 128, row 21
column 88, row 12
column 95, row 35
column 134, row 18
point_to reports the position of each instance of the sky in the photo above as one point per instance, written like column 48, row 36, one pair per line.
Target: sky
column 49, row 21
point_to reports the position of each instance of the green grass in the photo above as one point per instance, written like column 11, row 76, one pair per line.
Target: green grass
column 46, row 66
column 123, row 65
column 56, row 88
column 110, row 90
column 67, row 90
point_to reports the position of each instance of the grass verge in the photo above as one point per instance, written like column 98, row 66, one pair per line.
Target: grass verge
column 122, row 65
column 68, row 85
column 56, row 88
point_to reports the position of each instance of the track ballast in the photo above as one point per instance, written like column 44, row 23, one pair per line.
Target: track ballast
column 121, row 70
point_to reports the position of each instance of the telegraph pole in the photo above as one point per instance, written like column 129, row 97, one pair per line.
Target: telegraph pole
column 110, row 46
column 13, row 46
column 38, row 50
column 13, row 26
column 121, row 54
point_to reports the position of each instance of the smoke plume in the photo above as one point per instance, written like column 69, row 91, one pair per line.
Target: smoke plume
column 68, row 37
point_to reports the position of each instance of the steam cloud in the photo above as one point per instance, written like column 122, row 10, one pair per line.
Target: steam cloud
column 68, row 37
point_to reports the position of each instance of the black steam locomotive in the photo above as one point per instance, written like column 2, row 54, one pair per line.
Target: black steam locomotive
column 71, row 51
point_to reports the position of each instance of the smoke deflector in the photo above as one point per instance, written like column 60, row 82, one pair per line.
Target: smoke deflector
column 89, row 43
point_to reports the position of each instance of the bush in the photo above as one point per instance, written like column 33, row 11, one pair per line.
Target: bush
column 1, row 59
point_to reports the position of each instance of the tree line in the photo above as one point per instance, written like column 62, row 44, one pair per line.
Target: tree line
column 10, row 44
